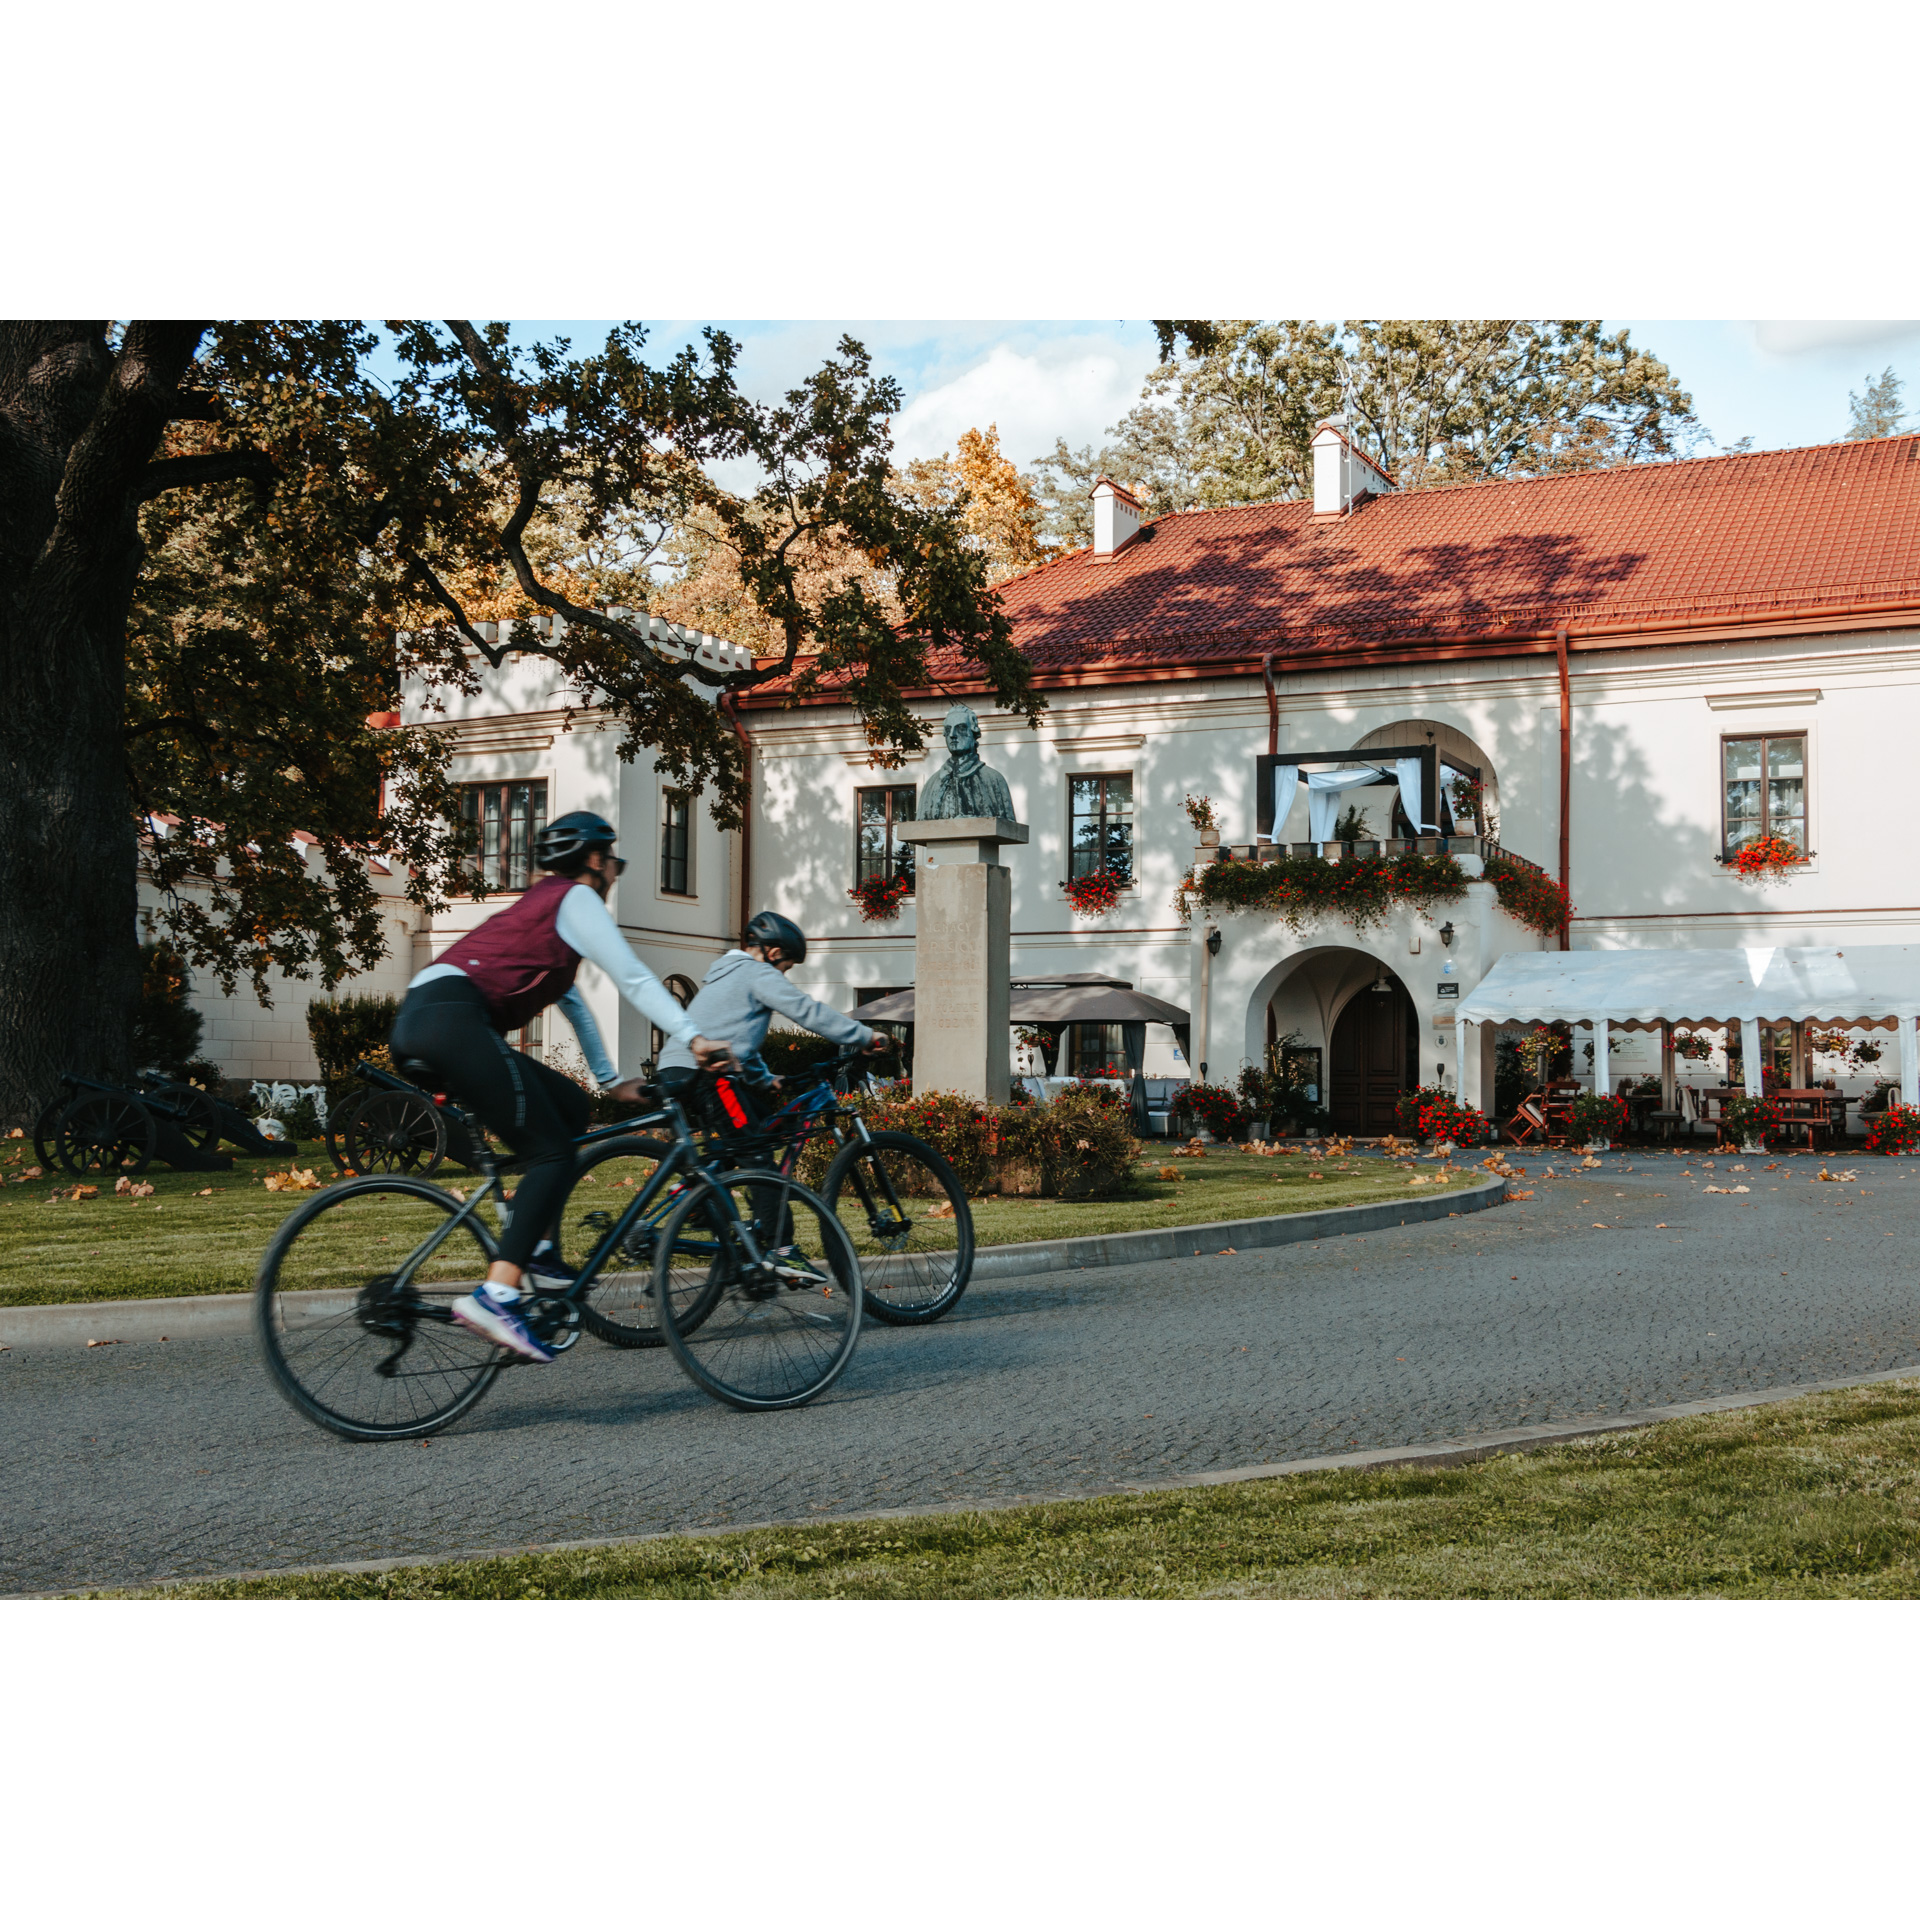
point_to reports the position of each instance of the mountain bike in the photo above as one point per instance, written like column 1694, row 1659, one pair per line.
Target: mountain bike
column 354, row 1296
column 897, row 1196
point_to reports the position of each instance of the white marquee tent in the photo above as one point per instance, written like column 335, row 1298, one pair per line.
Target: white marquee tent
column 1656, row 986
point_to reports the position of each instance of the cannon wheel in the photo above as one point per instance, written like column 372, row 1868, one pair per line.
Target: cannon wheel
column 46, row 1133
column 198, row 1121
column 394, row 1133
column 105, row 1133
column 334, row 1138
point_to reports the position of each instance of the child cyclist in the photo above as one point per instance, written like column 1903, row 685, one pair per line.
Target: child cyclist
column 497, row 978
column 736, row 1003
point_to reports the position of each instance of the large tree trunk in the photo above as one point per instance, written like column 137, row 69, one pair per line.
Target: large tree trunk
column 79, row 423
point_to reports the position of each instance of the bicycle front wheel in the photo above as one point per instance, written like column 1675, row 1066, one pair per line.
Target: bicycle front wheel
column 764, row 1335
column 620, row 1307
column 357, row 1333
column 906, row 1213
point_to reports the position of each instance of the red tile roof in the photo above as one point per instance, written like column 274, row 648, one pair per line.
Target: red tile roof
column 1743, row 538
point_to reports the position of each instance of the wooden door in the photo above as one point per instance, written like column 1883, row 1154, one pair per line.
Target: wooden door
column 1368, row 1071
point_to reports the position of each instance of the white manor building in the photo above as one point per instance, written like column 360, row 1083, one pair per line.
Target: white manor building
column 1643, row 667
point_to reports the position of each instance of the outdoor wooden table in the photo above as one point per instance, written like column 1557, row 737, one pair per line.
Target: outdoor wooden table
column 1822, row 1110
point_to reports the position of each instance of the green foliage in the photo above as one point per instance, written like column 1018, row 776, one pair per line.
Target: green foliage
column 1532, row 897
column 1876, row 409
column 1512, row 1080
column 1231, row 420
column 1361, row 892
column 1080, row 1140
column 1218, row 1109
column 1746, row 1115
column 1596, row 1116
column 313, row 530
column 788, row 1049
column 1432, row 1113
column 354, row 1027
column 166, row 1029
column 1894, row 1129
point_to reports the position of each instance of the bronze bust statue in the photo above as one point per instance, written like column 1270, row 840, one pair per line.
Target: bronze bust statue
column 965, row 788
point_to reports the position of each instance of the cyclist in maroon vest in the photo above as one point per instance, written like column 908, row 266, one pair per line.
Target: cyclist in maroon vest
column 497, row 978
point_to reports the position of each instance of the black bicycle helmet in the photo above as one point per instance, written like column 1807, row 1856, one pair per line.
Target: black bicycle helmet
column 565, row 840
column 776, row 930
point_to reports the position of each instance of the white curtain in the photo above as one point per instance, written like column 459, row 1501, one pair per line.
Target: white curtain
column 1286, row 783
column 1407, row 772
column 1323, row 804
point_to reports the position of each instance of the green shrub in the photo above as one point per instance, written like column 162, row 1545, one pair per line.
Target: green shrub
column 354, row 1027
column 166, row 1029
column 788, row 1050
column 1080, row 1140
column 1432, row 1113
column 1596, row 1116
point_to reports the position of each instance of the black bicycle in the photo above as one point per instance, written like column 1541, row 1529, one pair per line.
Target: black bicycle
column 750, row 1280
column 897, row 1196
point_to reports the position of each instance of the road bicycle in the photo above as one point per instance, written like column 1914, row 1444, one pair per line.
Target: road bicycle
column 897, row 1196
column 760, row 1285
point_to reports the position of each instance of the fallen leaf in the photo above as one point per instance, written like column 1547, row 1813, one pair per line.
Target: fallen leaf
column 205, row 1192
column 19, row 1133
column 31, row 1173
column 103, row 1343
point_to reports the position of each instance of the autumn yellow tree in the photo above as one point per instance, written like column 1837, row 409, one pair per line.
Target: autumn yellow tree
column 998, row 509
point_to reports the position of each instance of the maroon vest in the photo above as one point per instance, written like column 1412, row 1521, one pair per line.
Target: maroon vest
column 517, row 959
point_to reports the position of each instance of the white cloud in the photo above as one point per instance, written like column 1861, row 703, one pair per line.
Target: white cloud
column 1794, row 337
column 1071, row 390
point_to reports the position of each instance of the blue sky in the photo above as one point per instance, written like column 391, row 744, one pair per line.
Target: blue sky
column 1784, row 382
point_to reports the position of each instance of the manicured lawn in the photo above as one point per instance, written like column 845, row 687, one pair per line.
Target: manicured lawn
column 1811, row 1498
column 186, row 1240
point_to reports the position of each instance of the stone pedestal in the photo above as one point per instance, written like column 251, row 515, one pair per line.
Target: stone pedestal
column 963, row 914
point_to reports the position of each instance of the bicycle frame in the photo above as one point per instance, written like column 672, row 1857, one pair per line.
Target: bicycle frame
column 683, row 1162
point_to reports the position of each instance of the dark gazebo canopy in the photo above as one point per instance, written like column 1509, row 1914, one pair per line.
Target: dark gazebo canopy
column 1068, row 1000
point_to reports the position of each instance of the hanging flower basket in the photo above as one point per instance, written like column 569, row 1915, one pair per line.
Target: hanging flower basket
column 1541, row 1048
column 1767, row 858
column 1691, row 1046
column 878, row 898
column 1093, row 894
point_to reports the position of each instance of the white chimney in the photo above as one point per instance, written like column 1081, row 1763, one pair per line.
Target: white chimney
column 1341, row 472
column 1116, row 518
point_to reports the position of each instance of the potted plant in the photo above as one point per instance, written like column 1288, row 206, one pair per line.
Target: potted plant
column 877, row 897
column 1092, row 894
column 1765, row 858
column 1596, row 1120
column 1895, row 1129
column 1746, row 1116
column 1200, row 812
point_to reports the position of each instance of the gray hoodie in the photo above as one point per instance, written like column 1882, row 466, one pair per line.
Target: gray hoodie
column 736, row 1004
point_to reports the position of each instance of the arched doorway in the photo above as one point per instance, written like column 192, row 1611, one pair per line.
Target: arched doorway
column 1374, row 1057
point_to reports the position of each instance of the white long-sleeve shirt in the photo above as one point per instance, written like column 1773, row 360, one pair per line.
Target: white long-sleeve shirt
column 584, row 923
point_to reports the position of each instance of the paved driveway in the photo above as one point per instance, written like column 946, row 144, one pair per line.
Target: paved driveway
column 139, row 1461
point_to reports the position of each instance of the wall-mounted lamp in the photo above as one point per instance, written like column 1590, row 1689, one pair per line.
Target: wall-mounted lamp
column 1213, row 940
column 1446, row 934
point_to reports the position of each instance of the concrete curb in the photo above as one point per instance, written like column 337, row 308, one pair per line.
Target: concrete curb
column 1453, row 1453
column 1228, row 1236
column 223, row 1315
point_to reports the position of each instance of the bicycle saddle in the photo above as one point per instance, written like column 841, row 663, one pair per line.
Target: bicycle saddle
column 422, row 1073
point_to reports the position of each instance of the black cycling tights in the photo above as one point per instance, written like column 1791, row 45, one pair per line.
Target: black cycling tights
column 537, row 1111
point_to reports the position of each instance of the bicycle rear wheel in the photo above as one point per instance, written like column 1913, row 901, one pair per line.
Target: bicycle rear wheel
column 906, row 1213
column 620, row 1307
column 770, row 1336
column 355, row 1346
